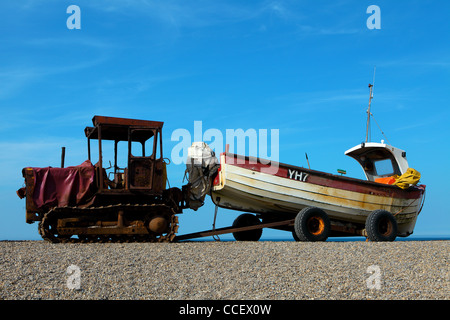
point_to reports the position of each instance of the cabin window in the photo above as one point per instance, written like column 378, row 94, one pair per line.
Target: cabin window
column 384, row 167
column 136, row 149
column 141, row 149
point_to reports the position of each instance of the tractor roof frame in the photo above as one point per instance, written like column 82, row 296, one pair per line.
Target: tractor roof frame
column 116, row 129
column 122, row 129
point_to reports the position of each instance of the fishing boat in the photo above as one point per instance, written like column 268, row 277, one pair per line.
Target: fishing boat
column 315, row 204
column 332, row 205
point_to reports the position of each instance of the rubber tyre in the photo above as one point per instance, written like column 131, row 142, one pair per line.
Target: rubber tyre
column 295, row 236
column 244, row 220
column 312, row 224
column 381, row 225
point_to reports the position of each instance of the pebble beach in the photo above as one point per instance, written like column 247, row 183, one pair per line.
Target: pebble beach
column 405, row 270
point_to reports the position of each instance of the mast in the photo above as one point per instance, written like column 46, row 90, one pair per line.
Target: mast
column 368, row 112
column 370, row 101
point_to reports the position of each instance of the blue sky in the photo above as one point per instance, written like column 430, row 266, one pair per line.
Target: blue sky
column 301, row 67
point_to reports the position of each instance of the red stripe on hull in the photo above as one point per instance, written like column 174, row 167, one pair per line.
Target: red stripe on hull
column 323, row 178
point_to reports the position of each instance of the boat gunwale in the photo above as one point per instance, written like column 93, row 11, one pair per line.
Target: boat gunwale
column 256, row 160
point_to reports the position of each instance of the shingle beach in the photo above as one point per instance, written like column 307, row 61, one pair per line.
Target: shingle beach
column 225, row 270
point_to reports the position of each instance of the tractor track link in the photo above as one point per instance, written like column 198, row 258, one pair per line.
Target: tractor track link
column 138, row 231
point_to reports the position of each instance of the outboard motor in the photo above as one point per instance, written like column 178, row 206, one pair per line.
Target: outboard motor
column 201, row 165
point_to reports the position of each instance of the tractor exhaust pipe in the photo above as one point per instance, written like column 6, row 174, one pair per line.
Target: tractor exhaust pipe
column 63, row 156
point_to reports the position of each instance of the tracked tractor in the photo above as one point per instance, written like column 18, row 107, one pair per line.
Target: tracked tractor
column 105, row 201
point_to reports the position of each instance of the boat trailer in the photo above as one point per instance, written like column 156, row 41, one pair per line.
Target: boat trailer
column 214, row 232
column 336, row 227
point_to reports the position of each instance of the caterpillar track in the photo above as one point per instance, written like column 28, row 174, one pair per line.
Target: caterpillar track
column 113, row 223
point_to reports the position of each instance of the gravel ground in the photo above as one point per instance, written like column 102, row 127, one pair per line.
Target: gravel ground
column 225, row 270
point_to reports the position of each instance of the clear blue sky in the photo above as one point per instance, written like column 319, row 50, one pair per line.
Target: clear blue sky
column 298, row 66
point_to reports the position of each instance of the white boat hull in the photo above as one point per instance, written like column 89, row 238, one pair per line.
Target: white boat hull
column 243, row 185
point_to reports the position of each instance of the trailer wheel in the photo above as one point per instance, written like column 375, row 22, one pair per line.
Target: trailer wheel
column 245, row 220
column 312, row 224
column 381, row 226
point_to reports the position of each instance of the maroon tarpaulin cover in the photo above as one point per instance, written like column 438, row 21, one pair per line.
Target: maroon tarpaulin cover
column 59, row 187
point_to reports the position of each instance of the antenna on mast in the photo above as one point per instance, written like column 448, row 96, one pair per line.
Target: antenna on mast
column 370, row 101
column 373, row 81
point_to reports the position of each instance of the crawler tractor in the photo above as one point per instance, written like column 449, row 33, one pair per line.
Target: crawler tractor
column 98, row 203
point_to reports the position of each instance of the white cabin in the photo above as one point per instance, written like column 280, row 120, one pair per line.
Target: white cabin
column 379, row 159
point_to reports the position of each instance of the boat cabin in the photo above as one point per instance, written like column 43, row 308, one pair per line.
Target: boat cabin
column 379, row 160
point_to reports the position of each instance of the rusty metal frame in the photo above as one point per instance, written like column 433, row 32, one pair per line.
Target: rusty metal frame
column 122, row 129
column 215, row 232
column 335, row 226
column 157, row 133
column 100, row 159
